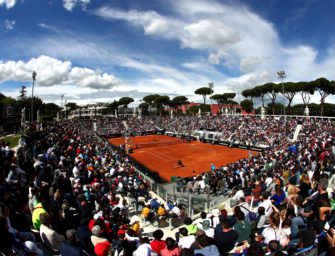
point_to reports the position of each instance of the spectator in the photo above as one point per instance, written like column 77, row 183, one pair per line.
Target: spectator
column 271, row 232
column 49, row 237
column 102, row 248
column 185, row 240
column 306, row 243
column 208, row 229
column 256, row 193
column 84, row 236
column 225, row 240
column 278, row 197
column 157, row 244
column 71, row 245
column 191, row 228
column 144, row 249
column 242, row 228
column 171, row 248
column 206, row 248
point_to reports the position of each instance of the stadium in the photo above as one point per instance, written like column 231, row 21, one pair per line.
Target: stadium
column 167, row 128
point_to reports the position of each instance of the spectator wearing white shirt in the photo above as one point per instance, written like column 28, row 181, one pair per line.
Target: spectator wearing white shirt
column 199, row 221
column 266, row 203
column 238, row 195
column 144, row 249
column 207, row 228
column 186, row 240
column 176, row 210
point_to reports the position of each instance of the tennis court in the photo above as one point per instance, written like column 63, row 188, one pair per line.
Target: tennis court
column 159, row 155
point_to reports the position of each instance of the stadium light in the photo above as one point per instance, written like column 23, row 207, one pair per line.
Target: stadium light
column 282, row 75
column 32, row 96
column 211, row 85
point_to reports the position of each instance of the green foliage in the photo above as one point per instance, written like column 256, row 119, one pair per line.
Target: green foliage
column 125, row 101
column 180, row 100
column 247, row 105
column 23, row 93
column 144, row 108
column 160, row 102
column 204, row 91
column 220, row 100
column 47, row 118
column 193, row 110
column 275, row 108
column 150, row 99
column 71, row 106
column 325, row 88
column 112, row 107
column 50, row 109
column 205, row 108
column 13, row 140
column 229, row 95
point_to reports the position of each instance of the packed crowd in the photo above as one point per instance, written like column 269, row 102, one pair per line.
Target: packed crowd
column 64, row 192
column 245, row 130
column 64, row 185
column 288, row 189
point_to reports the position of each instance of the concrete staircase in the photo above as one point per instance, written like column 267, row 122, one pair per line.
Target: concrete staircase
column 296, row 132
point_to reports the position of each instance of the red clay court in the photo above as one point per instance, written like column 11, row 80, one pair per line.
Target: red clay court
column 196, row 156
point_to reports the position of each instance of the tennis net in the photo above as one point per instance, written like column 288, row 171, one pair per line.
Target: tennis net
column 159, row 143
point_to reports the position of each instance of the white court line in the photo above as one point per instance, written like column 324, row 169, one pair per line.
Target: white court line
column 156, row 155
column 162, row 155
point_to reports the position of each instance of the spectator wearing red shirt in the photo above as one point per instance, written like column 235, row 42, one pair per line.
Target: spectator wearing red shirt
column 255, row 192
column 157, row 244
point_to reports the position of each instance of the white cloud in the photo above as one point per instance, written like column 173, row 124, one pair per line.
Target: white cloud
column 51, row 71
column 249, row 80
column 249, row 63
column 209, row 34
column 70, row 4
column 151, row 22
column 9, row 24
column 156, row 26
column 9, row 3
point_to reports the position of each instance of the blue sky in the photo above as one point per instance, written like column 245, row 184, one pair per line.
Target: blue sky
column 101, row 50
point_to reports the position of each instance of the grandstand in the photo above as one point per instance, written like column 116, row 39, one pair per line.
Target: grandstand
column 89, row 178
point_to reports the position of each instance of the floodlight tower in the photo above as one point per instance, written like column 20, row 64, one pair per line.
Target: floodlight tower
column 282, row 75
column 32, row 96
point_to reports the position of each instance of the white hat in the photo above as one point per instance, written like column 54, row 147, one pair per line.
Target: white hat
column 133, row 220
column 216, row 212
column 97, row 216
column 32, row 248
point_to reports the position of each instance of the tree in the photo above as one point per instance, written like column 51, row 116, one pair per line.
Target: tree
column 220, row 100
column 161, row 102
column 247, row 93
column 277, row 107
column 150, row 99
column 306, row 89
column 114, row 106
column 23, row 93
column 247, row 105
column 290, row 90
column 193, row 110
column 204, row 91
column 144, row 108
column 205, row 108
column 71, row 106
column 50, row 110
column 229, row 99
column 272, row 91
column 259, row 91
column 325, row 88
column 179, row 101
column 125, row 101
